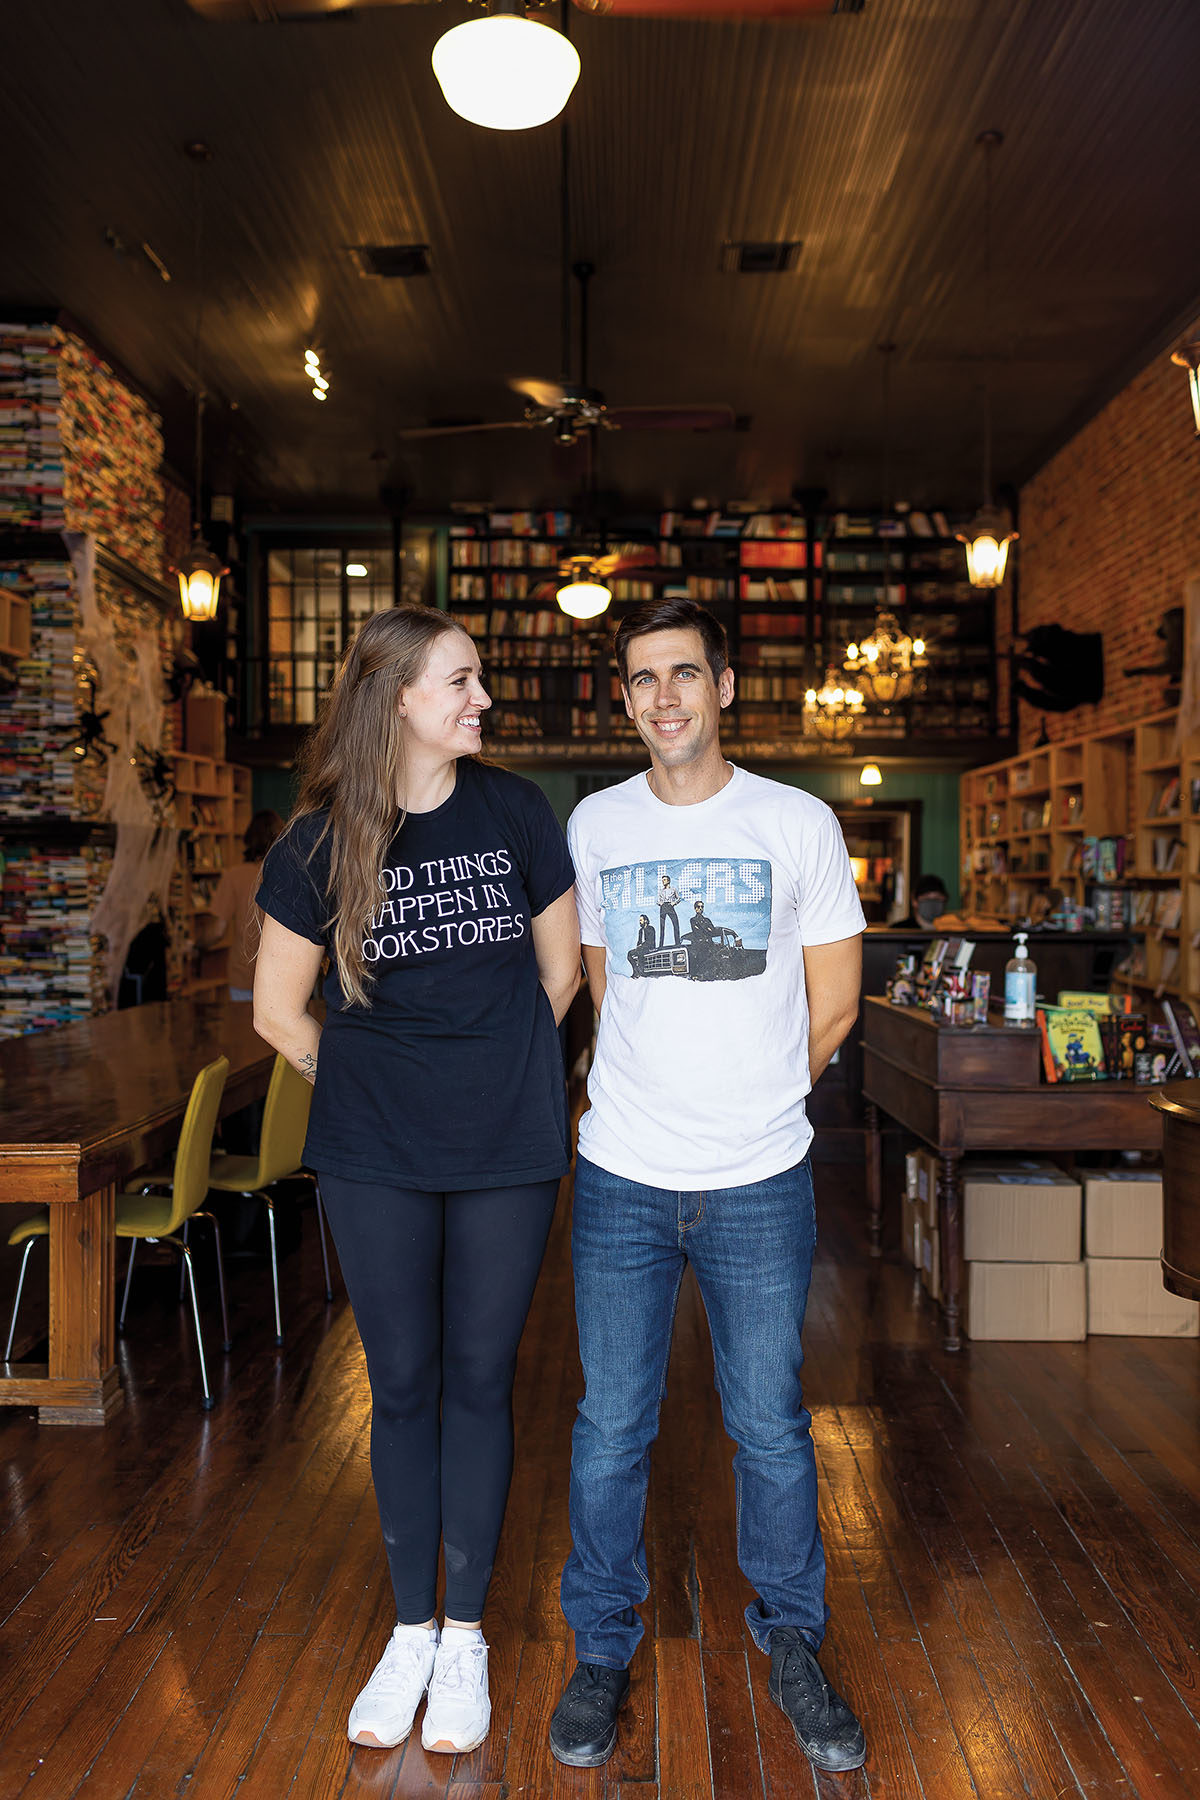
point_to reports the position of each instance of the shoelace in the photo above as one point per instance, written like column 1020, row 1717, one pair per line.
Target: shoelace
column 458, row 1671
column 398, row 1666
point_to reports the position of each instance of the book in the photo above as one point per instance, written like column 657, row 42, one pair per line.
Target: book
column 1095, row 1002
column 1071, row 1045
column 1185, row 1034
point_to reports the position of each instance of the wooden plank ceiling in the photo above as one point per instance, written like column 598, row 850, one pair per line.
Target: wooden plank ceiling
column 854, row 134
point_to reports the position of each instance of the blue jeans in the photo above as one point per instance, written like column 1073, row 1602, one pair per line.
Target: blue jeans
column 752, row 1249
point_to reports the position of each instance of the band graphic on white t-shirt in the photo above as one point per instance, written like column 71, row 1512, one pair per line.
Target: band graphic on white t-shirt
column 703, row 918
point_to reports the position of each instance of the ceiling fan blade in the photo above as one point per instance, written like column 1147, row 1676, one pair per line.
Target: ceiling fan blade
column 627, row 556
column 432, row 431
column 671, row 418
column 543, row 393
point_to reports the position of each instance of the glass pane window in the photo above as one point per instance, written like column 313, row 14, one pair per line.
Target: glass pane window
column 317, row 594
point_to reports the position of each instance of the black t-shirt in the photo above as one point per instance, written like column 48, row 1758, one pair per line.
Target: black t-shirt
column 452, row 1077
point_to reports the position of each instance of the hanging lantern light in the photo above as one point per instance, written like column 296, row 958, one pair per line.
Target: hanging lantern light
column 1188, row 357
column 833, row 710
column 199, row 576
column 871, row 775
column 887, row 662
column 986, row 543
column 506, row 71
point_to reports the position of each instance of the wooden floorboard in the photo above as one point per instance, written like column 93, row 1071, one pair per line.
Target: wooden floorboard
column 189, row 1602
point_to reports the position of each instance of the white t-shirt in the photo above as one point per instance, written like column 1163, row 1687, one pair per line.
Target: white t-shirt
column 701, row 1063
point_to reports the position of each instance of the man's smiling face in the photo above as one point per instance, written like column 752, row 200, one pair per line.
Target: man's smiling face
column 672, row 697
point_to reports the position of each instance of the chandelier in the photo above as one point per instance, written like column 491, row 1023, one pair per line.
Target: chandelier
column 887, row 661
column 833, row 710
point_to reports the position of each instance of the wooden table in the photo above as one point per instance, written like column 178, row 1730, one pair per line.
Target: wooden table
column 81, row 1107
column 968, row 1088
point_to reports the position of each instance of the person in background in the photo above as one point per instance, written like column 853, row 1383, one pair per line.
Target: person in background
column 930, row 901
column 233, row 905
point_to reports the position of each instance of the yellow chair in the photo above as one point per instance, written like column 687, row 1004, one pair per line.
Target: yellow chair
column 280, row 1149
column 162, row 1218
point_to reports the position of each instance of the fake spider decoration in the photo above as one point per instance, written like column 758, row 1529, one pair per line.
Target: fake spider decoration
column 155, row 774
column 91, row 731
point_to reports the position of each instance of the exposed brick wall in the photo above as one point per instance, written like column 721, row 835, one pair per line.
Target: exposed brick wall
column 1110, row 532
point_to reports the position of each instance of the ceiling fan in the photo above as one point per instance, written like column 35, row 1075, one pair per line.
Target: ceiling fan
column 570, row 408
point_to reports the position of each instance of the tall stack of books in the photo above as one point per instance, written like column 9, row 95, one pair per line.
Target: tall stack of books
column 49, row 972
column 31, row 455
column 38, row 717
column 112, row 453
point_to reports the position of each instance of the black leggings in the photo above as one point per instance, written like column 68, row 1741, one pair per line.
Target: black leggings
column 440, row 1285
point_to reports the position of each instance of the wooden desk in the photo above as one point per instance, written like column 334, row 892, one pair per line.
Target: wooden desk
column 82, row 1107
column 968, row 1088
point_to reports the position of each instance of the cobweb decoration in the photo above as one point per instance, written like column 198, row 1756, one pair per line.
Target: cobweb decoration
column 130, row 680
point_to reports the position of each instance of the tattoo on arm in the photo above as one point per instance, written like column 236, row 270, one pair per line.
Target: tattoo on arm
column 308, row 1064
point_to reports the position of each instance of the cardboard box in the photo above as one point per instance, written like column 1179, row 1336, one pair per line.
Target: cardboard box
column 1034, row 1302
column 1122, row 1213
column 1024, row 1213
column 921, row 1177
column 1126, row 1298
column 910, row 1230
column 931, row 1262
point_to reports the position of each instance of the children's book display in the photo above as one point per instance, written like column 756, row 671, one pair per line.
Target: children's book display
column 1098, row 1037
column 942, row 982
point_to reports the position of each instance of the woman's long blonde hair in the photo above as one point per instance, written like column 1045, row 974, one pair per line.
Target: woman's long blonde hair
column 353, row 763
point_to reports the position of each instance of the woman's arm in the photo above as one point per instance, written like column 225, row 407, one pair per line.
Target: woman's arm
column 556, row 946
column 285, row 974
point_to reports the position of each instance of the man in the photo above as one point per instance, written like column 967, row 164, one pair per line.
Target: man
column 692, row 1156
column 668, row 900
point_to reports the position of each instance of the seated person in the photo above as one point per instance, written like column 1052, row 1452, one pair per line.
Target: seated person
column 702, row 929
column 929, row 901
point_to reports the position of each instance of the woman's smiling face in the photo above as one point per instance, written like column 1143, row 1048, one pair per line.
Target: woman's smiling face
column 442, row 710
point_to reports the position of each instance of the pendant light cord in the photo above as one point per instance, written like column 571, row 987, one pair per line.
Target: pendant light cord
column 990, row 142
column 197, row 347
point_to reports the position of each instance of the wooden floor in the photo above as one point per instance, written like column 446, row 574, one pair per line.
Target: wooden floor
column 189, row 1602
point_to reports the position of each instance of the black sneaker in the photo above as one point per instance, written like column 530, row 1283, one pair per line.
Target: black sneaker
column 826, row 1730
column 583, row 1731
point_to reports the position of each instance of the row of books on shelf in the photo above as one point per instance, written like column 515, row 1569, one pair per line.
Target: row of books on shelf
column 718, row 522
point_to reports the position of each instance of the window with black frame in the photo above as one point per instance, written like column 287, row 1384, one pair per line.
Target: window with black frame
column 317, row 594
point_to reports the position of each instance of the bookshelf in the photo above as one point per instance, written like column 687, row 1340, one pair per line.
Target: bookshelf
column 1111, row 823
column 792, row 590
column 211, row 797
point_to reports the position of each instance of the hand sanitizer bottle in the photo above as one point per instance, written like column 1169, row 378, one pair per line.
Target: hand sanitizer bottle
column 1020, row 986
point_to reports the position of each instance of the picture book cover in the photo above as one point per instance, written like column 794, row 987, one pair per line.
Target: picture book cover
column 1071, row 1045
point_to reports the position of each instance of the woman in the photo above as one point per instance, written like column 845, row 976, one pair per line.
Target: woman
column 442, row 891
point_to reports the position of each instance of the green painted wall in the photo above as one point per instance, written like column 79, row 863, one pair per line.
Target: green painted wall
column 936, row 789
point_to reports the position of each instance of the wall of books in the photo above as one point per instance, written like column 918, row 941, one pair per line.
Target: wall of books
column 85, row 654
column 1101, row 830
column 792, row 591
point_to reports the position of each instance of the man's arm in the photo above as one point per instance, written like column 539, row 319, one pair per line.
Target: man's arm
column 593, row 964
column 832, row 978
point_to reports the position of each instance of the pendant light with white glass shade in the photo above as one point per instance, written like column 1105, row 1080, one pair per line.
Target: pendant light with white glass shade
column 506, row 71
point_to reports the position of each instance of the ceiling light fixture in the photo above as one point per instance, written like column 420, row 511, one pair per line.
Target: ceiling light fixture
column 584, row 599
column 871, row 776
column 506, row 71
column 985, row 539
column 832, row 710
column 357, row 569
column 1188, row 357
column 314, row 373
column 199, row 572
column 887, row 662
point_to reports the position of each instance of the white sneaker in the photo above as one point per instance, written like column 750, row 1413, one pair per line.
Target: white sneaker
column 459, row 1710
column 382, row 1716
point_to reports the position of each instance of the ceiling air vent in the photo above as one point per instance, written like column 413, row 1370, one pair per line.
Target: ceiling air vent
column 759, row 259
column 393, row 262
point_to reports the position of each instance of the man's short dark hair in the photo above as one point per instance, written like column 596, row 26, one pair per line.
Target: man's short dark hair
column 672, row 615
